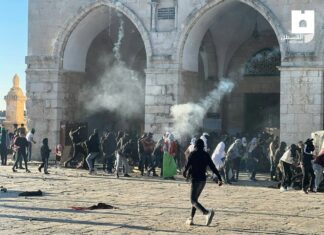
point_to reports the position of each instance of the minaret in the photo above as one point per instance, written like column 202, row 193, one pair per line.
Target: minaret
column 15, row 101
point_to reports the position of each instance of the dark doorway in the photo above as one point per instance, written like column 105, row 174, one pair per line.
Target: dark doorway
column 262, row 110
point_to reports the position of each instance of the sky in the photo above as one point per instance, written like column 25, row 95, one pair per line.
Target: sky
column 13, row 44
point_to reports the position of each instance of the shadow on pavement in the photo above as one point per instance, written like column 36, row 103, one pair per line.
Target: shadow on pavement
column 83, row 222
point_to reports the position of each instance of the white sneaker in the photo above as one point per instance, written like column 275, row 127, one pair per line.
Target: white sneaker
column 209, row 217
column 289, row 188
column 189, row 221
column 282, row 189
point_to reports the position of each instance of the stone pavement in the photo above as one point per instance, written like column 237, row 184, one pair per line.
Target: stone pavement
column 148, row 205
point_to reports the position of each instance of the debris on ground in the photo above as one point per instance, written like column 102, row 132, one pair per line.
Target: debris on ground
column 94, row 207
column 31, row 193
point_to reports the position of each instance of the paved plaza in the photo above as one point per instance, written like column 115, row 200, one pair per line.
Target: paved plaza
column 148, row 205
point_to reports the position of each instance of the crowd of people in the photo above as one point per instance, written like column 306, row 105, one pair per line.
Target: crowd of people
column 289, row 165
column 19, row 144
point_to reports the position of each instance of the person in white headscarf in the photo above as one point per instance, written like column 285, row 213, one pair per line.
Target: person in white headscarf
column 232, row 159
column 218, row 157
column 204, row 138
column 253, row 144
column 190, row 148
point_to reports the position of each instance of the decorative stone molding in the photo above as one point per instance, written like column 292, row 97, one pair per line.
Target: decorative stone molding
column 42, row 62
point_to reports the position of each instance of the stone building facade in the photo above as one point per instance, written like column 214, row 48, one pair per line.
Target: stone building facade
column 182, row 48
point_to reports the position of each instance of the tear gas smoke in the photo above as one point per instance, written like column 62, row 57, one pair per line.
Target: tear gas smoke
column 189, row 117
column 119, row 89
column 116, row 49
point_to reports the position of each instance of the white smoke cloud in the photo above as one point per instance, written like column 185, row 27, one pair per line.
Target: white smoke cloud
column 188, row 118
column 118, row 90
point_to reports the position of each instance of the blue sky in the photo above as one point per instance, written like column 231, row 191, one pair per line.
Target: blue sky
column 13, row 44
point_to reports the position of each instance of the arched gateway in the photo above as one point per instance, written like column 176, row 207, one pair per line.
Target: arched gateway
column 219, row 41
column 174, row 51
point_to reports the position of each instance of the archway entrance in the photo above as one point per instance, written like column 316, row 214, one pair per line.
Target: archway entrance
column 233, row 40
column 103, row 70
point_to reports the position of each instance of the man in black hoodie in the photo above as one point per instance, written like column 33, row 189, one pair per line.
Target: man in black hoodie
column 93, row 149
column 75, row 136
column 22, row 144
column 109, row 146
column 45, row 152
column 306, row 165
column 198, row 161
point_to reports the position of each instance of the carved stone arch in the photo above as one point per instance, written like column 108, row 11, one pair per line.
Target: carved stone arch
column 196, row 16
column 73, row 22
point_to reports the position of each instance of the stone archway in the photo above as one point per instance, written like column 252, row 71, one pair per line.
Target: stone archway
column 230, row 33
column 196, row 24
column 73, row 46
column 65, row 34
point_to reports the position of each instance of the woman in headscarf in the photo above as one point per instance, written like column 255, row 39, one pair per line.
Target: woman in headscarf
column 190, row 148
column 169, row 163
column 218, row 157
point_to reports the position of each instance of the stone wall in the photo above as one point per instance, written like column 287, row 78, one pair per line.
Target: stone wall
column 51, row 24
column 44, row 100
column 302, row 102
column 161, row 92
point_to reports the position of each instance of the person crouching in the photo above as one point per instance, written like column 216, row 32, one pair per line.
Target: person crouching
column 45, row 153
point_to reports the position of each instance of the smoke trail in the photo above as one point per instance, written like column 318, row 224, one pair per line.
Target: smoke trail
column 116, row 49
column 189, row 117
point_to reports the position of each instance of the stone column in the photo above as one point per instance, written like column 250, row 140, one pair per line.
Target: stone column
column 44, row 100
column 154, row 5
column 301, row 102
column 176, row 9
column 161, row 92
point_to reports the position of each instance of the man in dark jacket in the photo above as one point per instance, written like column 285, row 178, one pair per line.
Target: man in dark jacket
column 75, row 137
column 93, row 145
column 45, row 153
column 306, row 164
column 4, row 146
column 123, row 152
column 157, row 157
column 141, row 154
column 198, row 161
column 109, row 146
column 22, row 144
